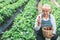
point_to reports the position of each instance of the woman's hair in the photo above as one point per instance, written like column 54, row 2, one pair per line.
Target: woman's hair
column 46, row 6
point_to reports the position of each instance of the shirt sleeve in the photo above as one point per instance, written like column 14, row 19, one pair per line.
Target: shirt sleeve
column 36, row 27
column 53, row 24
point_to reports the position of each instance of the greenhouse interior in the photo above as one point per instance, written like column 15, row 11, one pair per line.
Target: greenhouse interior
column 17, row 18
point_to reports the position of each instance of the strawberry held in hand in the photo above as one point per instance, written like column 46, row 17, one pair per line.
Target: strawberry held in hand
column 38, row 20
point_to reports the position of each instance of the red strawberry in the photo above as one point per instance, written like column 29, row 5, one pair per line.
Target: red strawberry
column 38, row 20
column 48, row 28
column 38, row 17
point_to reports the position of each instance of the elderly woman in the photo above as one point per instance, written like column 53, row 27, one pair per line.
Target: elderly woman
column 40, row 4
column 43, row 20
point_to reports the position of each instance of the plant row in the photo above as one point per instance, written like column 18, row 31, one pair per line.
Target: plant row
column 4, row 3
column 7, row 11
column 22, row 28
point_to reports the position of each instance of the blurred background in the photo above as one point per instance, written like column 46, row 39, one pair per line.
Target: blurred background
column 17, row 18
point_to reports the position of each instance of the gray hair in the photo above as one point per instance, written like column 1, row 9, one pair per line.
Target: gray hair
column 47, row 6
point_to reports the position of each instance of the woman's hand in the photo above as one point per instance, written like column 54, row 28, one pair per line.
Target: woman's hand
column 38, row 20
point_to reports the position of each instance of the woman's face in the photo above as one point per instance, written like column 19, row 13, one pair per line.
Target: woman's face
column 46, row 11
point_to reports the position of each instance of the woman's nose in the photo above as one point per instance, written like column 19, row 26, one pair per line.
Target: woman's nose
column 45, row 12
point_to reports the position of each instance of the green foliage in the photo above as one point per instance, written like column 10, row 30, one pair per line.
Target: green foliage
column 22, row 28
column 6, row 2
column 58, row 1
column 23, row 24
column 8, row 10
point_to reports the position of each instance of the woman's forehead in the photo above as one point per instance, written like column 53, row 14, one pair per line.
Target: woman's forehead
column 46, row 9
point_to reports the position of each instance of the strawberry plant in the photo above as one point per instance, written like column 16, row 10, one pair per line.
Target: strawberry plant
column 22, row 28
column 8, row 10
column 6, row 2
column 23, row 24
